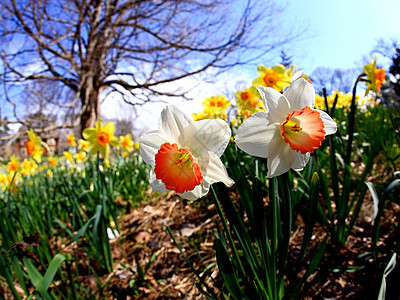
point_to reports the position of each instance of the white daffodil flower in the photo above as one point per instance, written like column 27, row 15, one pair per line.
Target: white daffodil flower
column 185, row 155
column 288, row 130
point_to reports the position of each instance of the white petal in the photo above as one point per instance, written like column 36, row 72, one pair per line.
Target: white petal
column 149, row 145
column 198, row 192
column 278, row 114
column 296, row 74
column 269, row 96
column 254, row 135
column 300, row 94
column 157, row 184
column 280, row 157
column 173, row 123
column 300, row 160
column 330, row 125
column 211, row 135
column 214, row 170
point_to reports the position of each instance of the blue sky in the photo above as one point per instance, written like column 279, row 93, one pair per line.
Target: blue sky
column 340, row 32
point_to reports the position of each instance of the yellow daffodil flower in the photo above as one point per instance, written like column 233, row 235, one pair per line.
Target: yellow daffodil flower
column 3, row 182
column 80, row 156
column 249, row 99
column 34, row 146
column 71, row 140
column 28, row 167
column 126, row 142
column 200, row 116
column 68, row 156
column 276, row 77
column 107, row 163
column 216, row 106
column 13, row 165
column 100, row 138
column 83, row 145
column 52, row 160
column 375, row 76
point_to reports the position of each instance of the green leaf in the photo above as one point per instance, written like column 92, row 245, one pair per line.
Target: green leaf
column 312, row 266
column 311, row 215
column 375, row 197
column 227, row 272
column 52, row 269
column 33, row 273
column 36, row 278
column 139, row 270
column 389, row 268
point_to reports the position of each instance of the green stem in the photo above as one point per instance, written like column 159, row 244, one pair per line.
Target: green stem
column 226, row 228
column 274, row 240
column 352, row 118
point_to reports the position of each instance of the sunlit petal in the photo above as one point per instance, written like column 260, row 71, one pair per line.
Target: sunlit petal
column 300, row 94
column 156, row 184
column 212, row 135
column 330, row 125
column 300, row 161
column 214, row 170
column 269, row 96
column 255, row 135
column 173, row 122
column 280, row 158
column 149, row 145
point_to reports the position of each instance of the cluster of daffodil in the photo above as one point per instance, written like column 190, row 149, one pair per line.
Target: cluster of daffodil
column 248, row 101
column 12, row 174
column 96, row 140
column 214, row 108
column 344, row 100
column 15, row 171
column 374, row 79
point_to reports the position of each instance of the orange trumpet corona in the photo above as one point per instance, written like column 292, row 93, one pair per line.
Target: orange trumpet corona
column 303, row 130
column 177, row 169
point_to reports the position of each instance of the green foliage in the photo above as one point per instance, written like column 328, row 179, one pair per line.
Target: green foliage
column 74, row 205
column 253, row 236
column 140, row 279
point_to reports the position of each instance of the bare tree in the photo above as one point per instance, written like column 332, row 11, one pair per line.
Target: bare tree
column 333, row 79
column 133, row 48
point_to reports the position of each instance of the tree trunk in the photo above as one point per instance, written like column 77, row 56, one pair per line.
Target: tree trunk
column 90, row 100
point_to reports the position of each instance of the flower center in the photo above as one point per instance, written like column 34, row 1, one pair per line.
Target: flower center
column 271, row 78
column 29, row 147
column 13, row 167
column 177, row 169
column 125, row 143
column 379, row 76
column 52, row 162
column 245, row 96
column 103, row 138
column 303, row 130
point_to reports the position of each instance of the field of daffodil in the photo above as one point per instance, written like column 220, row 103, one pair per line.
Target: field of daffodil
column 298, row 180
